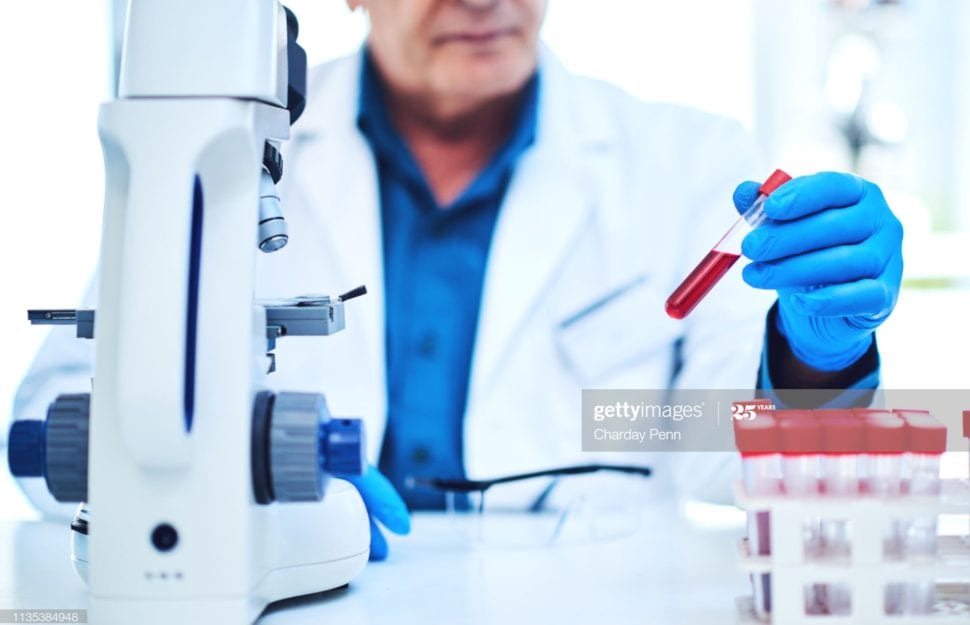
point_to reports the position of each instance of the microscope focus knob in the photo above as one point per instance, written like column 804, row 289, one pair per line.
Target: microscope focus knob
column 56, row 449
column 296, row 445
column 295, row 453
column 25, row 448
column 67, row 447
column 343, row 447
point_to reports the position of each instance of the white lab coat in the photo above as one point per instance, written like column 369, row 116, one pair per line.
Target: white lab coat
column 614, row 194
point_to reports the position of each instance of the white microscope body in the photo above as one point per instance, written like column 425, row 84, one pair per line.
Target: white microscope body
column 176, row 455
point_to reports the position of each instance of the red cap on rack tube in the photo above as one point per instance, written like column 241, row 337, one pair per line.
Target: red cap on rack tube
column 843, row 434
column 800, row 436
column 924, row 434
column 829, row 413
column 885, row 434
column 791, row 413
column 869, row 413
column 903, row 412
column 775, row 180
column 966, row 423
column 756, row 437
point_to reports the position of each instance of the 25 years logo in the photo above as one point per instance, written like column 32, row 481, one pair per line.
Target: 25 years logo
column 746, row 411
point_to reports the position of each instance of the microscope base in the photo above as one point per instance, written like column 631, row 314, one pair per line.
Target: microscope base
column 304, row 548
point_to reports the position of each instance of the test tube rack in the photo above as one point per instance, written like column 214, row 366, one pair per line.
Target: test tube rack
column 867, row 570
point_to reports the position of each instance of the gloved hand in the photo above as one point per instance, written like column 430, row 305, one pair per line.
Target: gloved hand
column 383, row 504
column 833, row 251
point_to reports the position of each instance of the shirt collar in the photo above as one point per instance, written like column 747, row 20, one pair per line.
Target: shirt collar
column 392, row 151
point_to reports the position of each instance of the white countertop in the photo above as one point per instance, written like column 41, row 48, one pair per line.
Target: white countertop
column 670, row 571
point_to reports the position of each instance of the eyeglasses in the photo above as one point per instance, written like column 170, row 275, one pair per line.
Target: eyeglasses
column 562, row 505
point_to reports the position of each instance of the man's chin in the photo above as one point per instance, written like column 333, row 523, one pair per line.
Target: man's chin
column 486, row 83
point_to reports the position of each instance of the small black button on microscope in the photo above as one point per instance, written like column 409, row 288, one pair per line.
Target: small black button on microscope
column 164, row 537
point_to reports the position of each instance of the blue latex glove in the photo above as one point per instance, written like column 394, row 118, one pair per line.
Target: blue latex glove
column 383, row 504
column 833, row 251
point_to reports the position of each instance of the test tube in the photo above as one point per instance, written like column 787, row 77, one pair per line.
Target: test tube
column 885, row 436
column 757, row 440
column 723, row 255
column 926, row 442
column 966, row 435
column 842, row 443
column 800, row 440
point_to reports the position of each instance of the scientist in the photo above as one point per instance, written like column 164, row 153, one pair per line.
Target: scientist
column 519, row 228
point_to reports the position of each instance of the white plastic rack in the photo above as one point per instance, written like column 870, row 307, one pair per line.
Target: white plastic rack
column 867, row 571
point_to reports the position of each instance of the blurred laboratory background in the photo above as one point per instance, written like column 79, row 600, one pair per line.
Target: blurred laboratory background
column 878, row 87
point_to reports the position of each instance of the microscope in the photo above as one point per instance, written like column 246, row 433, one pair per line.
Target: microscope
column 204, row 491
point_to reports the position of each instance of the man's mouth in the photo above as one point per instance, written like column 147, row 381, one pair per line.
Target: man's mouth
column 474, row 37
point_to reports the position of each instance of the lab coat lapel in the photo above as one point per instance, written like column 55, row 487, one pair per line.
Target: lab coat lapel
column 547, row 203
column 337, row 172
column 540, row 217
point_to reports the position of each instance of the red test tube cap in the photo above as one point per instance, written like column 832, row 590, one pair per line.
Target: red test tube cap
column 792, row 413
column 842, row 435
column 800, row 436
column 905, row 412
column 924, row 434
column 830, row 413
column 775, row 180
column 756, row 436
column 966, row 423
column 885, row 434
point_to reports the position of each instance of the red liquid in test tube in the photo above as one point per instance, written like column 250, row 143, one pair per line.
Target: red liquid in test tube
column 722, row 256
column 695, row 286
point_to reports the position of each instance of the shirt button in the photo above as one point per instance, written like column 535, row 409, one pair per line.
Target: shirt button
column 427, row 345
column 439, row 229
column 421, row 455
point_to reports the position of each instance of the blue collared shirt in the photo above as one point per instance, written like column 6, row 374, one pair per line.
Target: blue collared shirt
column 434, row 268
